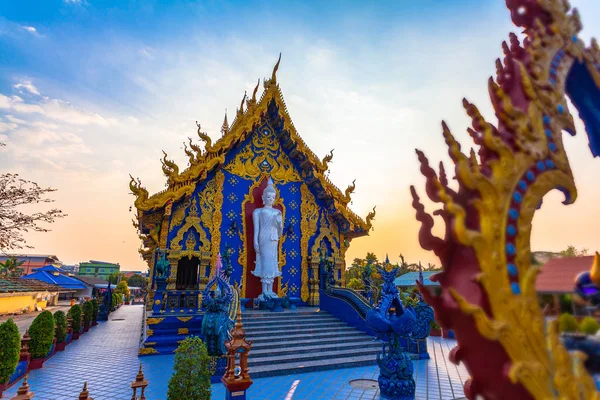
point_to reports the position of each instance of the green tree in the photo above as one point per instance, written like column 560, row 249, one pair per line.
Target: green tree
column 191, row 374
column 137, row 281
column 356, row 284
column 10, row 268
column 567, row 323
column 10, row 348
column 117, row 277
column 41, row 332
column 123, row 288
column 60, row 320
column 571, row 251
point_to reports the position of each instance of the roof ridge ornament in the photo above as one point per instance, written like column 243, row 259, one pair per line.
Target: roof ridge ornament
column 273, row 80
column 204, row 137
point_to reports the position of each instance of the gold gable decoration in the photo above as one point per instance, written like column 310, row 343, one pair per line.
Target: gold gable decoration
column 211, row 202
column 309, row 212
column 191, row 221
column 263, row 155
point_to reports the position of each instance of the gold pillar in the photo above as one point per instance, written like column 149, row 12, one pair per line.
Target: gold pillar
column 314, row 298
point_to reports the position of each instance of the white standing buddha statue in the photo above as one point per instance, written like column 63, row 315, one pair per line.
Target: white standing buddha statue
column 268, row 228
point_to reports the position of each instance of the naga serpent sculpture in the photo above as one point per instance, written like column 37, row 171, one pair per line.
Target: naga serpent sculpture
column 488, row 283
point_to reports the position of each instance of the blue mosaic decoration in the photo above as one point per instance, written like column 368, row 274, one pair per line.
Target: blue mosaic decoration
column 392, row 322
column 216, row 324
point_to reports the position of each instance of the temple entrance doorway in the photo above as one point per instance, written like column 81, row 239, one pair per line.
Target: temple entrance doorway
column 253, row 284
column 187, row 273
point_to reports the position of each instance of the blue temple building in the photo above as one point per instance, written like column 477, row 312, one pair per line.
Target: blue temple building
column 206, row 210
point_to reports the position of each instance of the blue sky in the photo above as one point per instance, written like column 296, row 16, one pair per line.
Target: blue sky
column 94, row 90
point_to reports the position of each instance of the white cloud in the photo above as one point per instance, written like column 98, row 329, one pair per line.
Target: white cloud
column 32, row 30
column 28, row 86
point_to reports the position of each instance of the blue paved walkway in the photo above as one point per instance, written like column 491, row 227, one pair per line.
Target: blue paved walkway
column 106, row 357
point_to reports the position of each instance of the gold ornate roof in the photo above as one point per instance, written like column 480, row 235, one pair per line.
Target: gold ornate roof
column 247, row 118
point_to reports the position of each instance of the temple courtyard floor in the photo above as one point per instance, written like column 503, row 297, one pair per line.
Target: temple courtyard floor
column 107, row 358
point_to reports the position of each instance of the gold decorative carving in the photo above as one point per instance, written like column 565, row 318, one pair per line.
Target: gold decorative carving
column 183, row 331
column 217, row 219
column 184, row 319
column 191, row 221
column 263, row 155
column 190, row 242
column 153, row 321
column 309, row 214
column 179, row 214
column 149, row 332
column 147, row 350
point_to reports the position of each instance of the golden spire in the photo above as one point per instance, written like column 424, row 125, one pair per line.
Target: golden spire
column 595, row 271
column 225, row 126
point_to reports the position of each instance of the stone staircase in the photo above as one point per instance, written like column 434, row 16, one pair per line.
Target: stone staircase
column 304, row 340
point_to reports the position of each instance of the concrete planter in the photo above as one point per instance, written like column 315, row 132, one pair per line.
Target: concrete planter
column 61, row 346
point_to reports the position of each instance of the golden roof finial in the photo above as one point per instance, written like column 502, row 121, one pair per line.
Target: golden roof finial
column 203, row 136
column 274, row 74
column 595, row 271
column 370, row 218
column 241, row 110
column 255, row 90
column 188, row 153
column 225, row 126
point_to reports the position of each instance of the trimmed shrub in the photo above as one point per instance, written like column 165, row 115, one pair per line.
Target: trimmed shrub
column 567, row 323
column 75, row 313
column 95, row 309
column 88, row 313
column 589, row 326
column 10, row 348
column 191, row 374
column 117, row 299
column 41, row 333
column 60, row 320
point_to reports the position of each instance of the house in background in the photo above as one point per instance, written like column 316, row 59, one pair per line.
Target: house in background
column 32, row 261
column 54, row 275
column 557, row 278
column 70, row 269
column 99, row 269
column 18, row 295
column 409, row 279
column 94, row 282
column 129, row 274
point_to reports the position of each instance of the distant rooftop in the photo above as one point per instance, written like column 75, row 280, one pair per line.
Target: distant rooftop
column 558, row 275
column 28, row 256
column 410, row 278
column 99, row 262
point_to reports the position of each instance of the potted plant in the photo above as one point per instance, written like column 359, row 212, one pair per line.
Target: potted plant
column 10, row 348
column 589, row 326
column 41, row 333
column 191, row 374
column 434, row 329
column 75, row 312
column 88, row 315
column 95, row 310
column 60, row 320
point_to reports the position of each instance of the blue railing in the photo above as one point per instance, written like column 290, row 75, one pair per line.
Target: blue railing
column 346, row 305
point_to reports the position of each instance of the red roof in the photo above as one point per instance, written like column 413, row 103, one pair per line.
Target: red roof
column 558, row 275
